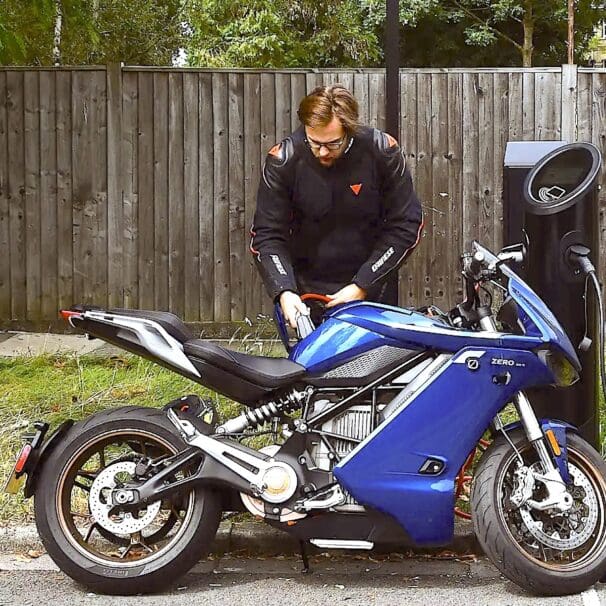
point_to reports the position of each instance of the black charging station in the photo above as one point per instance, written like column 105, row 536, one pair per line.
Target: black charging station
column 558, row 211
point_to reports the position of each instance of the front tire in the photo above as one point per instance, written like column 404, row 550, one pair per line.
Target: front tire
column 543, row 553
column 120, row 553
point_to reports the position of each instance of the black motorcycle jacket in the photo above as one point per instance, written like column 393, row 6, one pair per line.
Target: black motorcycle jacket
column 319, row 229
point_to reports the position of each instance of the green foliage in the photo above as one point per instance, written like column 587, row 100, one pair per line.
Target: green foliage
column 463, row 33
column 143, row 32
column 282, row 33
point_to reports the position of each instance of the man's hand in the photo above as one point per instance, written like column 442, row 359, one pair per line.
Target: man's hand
column 351, row 292
column 292, row 306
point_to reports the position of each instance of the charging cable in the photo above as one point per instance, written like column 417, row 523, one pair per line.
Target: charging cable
column 577, row 257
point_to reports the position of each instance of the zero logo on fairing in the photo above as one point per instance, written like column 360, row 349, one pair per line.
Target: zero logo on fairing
column 502, row 362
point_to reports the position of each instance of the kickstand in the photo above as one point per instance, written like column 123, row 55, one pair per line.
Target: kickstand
column 304, row 557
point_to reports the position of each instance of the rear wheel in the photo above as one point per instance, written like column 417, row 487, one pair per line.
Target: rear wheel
column 545, row 552
column 107, row 549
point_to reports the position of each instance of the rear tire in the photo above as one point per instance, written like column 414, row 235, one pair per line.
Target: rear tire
column 516, row 540
column 161, row 549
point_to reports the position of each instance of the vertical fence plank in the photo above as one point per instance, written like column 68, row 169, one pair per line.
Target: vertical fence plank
column 160, row 164
column 471, row 208
column 130, row 200
column 312, row 80
column 501, row 121
column 455, row 184
column 83, row 153
column 569, row 96
column 115, row 209
column 191, row 150
column 252, row 172
column 528, row 112
column 176, row 227
column 16, row 192
column 32, row 194
column 145, row 186
column 360, row 91
column 515, row 122
column 423, row 181
column 283, row 106
column 297, row 92
column 98, row 136
column 221, row 145
column 376, row 100
column 440, row 277
column 5, row 266
column 206, row 194
column 547, row 106
column 409, row 286
column 236, row 192
column 486, row 157
column 48, row 195
column 584, row 107
column 346, row 79
column 65, row 220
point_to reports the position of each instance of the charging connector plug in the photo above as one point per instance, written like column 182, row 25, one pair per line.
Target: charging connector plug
column 577, row 258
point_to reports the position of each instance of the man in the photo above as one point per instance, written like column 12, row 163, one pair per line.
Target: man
column 336, row 210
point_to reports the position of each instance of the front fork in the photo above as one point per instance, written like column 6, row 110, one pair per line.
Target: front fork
column 558, row 496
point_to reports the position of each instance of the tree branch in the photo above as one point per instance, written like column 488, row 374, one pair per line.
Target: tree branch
column 477, row 19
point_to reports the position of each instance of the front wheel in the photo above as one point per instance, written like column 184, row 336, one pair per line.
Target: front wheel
column 95, row 542
column 545, row 552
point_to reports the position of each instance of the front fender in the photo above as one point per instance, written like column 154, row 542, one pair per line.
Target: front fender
column 559, row 429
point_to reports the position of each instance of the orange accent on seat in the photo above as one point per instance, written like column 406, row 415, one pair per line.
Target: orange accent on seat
column 356, row 188
column 275, row 150
column 391, row 140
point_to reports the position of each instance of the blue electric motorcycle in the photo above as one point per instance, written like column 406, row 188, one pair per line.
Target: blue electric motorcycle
column 370, row 419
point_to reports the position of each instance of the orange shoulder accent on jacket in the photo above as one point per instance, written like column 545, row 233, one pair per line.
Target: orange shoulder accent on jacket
column 275, row 150
column 391, row 140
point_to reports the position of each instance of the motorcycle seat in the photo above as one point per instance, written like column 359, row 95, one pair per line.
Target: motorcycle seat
column 261, row 371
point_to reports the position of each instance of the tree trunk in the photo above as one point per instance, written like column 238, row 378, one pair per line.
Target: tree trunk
column 57, row 38
column 570, row 32
column 528, row 23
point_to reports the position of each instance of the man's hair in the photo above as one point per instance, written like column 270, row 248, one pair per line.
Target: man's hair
column 327, row 102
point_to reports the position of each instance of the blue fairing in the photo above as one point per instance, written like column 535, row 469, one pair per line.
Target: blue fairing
column 444, row 421
column 359, row 327
column 537, row 317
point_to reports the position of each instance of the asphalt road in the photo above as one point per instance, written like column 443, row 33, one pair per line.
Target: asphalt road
column 352, row 580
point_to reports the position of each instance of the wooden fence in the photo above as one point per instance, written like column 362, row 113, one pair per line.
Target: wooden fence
column 136, row 187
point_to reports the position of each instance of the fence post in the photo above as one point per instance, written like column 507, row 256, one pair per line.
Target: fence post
column 569, row 102
column 115, row 214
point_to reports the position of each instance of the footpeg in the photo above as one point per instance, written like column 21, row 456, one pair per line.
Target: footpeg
column 326, row 498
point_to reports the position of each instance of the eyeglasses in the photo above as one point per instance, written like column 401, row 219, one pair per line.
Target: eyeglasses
column 331, row 145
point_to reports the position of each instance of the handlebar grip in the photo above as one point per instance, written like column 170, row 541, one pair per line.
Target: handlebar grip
column 304, row 326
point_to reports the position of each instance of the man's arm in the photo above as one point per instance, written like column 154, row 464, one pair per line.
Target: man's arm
column 270, row 231
column 402, row 217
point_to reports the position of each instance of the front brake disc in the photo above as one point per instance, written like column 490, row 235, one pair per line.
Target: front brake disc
column 579, row 524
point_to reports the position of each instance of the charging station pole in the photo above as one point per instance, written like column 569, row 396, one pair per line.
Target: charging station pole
column 557, row 207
